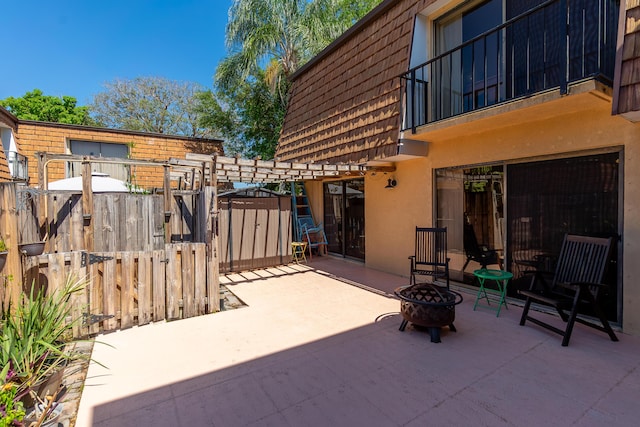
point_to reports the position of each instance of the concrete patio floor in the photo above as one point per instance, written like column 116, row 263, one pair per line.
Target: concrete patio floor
column 311, row 350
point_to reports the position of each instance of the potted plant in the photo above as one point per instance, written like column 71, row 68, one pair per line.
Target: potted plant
column 32, row 249
column 44, row 414
column 34, row 341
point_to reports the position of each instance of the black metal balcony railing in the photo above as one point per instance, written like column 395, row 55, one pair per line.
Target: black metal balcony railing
column 18, row 166
column 548, row 47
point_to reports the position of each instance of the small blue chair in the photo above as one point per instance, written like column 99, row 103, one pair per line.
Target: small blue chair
column 311, row 233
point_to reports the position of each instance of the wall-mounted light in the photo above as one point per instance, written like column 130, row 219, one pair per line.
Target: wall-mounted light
column 391, row 183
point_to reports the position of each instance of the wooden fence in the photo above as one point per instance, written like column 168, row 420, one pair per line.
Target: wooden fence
column 120, row 221
column 129, row 288
column 136, row 267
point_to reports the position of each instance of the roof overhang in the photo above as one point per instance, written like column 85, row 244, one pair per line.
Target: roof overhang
column 406, row 149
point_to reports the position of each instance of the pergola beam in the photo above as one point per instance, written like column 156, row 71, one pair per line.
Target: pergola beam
column 226, row 169
column 235, row 169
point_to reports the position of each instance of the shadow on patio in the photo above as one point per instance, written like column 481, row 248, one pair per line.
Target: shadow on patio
column 311, row 350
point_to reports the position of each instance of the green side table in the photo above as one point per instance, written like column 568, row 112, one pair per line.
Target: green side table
column 501, row 278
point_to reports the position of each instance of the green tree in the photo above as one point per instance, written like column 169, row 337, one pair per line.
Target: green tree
column 283, row 33
column 249, row 116
column 35, row 105
column 151, row 104
column 268, row 41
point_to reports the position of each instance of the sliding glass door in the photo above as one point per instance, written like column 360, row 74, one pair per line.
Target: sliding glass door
column 344, row 217
column 523, row 210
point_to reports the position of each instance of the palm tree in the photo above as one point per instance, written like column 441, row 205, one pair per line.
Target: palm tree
column 282, row 35
column 268, row 40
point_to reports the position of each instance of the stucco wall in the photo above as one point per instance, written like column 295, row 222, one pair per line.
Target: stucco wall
column 391, row 215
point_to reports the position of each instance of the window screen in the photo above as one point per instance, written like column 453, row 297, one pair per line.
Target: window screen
column 547, row 199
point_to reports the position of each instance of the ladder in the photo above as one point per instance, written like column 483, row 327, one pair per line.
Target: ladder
column 305, row 228
column 300, row 208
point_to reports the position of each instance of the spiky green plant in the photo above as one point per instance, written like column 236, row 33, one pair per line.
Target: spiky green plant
column 35, row 333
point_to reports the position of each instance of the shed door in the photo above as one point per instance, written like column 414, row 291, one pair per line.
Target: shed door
column 255, row 232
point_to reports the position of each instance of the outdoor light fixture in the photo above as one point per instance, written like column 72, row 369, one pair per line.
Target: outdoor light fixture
column 391, row 183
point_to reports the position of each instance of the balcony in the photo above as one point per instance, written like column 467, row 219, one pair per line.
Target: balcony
column 18, row 166
column 548, row 47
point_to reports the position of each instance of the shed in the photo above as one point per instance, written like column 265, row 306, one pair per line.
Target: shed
column 254, row 226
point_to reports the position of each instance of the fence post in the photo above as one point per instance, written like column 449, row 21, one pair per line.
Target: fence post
column 212, row 241
column 87, row 205
column 43, row 219
column 167, row 204
column 11, row 275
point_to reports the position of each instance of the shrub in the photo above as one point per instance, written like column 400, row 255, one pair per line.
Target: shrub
column 35, row 333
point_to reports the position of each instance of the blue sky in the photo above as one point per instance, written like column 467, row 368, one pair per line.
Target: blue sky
column 73, row 47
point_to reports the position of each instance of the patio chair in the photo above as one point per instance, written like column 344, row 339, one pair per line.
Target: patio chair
column 577, row 281
column 430, row 256
column 476, row 252
column 313, row 234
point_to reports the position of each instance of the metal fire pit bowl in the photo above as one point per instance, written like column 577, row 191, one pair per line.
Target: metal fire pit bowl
column 429, row 306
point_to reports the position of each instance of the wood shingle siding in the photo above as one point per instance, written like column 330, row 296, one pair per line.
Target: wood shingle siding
column 627, row 101
column 345, row 104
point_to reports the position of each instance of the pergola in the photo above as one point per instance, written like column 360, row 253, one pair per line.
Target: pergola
column 196, row 171
column 236, row 169
column 212, row 169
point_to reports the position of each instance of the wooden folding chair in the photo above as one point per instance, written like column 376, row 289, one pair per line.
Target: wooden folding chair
column 577, row 280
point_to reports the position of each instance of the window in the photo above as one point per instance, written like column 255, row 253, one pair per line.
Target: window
column 469, row 75
column 99, row 149
column 482, row 53
column 473, row 197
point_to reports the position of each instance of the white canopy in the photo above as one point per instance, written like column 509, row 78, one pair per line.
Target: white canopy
column 100, row 183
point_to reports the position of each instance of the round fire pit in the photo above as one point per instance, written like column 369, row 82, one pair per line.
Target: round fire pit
column 429, row 306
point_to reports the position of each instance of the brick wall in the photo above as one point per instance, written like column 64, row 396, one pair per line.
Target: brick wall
column 345, row 106
column 33, row 137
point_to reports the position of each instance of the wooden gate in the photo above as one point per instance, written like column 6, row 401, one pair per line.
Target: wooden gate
column 129, row 288
column 255, row 232
column 133, row 276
